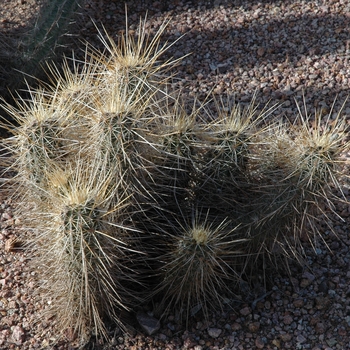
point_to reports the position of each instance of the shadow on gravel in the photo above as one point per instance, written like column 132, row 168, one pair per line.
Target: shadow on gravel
column 24, row 47
column 249, row 43
column 167, row 5
column 235, row 46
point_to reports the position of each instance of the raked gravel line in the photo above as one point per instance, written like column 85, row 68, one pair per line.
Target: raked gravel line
column 282, row 50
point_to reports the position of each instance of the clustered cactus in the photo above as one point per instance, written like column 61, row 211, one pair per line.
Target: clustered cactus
column 132, row 193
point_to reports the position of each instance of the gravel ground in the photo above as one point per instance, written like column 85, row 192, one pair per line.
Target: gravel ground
column 282, row 50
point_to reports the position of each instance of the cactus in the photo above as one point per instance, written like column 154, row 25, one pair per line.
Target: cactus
column 175, row 140
column 299, row 166
column 124, row 183
column 81, row 248
column 228, row 144
column 197, row 262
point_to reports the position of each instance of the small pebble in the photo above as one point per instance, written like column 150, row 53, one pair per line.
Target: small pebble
column 214, row 332
column 245, row 311
column 259, row 343
column 288, row 319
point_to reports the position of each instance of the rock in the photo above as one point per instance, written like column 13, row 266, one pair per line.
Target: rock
column 6, row 216
column 305, row 283
column 301, row 339
column 236, row 326
column 245, row 311
column 331, row 342
column 298, row 303
column 162, row 336
column 189, row 343
column 322, row 302
column 320, row 328
column 12, row 304
column 288, row 319
column 308, row 276
column 254, row 327
column 214, row 332
column 259, row 343
column 148, row 323
column 342, row 332
column 3, row 281
column 10, row 244
column 277, row 343
column 18, row 335
column 261, row 51
column 323, row 287
column 198, row 347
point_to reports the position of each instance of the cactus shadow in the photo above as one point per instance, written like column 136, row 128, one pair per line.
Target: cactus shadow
column 25, row 45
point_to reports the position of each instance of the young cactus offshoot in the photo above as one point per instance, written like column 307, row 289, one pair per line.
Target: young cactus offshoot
column 197, row 263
